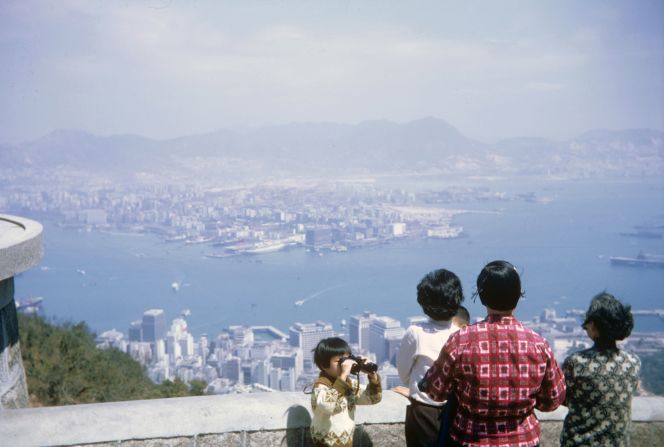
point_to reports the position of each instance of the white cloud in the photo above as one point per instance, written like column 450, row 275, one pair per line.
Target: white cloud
column 226, row 65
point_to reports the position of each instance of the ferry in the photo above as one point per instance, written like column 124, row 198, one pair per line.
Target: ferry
column 641, row 260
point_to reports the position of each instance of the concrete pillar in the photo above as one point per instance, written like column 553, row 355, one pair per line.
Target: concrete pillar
column 13, row 386
column 20, row 249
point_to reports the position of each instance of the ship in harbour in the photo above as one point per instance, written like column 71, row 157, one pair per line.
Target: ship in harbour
column 641, row 260
column 264, row 247
column 256, row 248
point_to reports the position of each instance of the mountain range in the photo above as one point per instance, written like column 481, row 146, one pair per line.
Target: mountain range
column 328, row 149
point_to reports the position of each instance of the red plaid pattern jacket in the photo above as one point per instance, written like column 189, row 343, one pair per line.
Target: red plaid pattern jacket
column 499, row 371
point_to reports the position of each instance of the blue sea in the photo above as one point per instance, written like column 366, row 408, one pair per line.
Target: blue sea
column 561, row 247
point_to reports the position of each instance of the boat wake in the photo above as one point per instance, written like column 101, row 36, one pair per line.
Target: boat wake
column 319, row 293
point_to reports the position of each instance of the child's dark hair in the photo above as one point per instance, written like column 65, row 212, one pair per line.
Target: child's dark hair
column 613, row 320
column 463, row 315
column 328, row 348
column 440, row 294
column 499, row 285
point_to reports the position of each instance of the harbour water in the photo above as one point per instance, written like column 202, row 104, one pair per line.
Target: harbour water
column 561, row 247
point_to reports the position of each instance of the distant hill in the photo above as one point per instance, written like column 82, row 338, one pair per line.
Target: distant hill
column 314, row 149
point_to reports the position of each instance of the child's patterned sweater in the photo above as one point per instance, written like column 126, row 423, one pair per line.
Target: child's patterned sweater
column 333, row 403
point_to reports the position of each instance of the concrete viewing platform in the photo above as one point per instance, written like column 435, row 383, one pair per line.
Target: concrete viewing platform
column 239, row 420
column 20, row 249
column 20, row 244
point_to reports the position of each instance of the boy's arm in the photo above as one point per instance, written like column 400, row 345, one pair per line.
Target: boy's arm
column 330, row 400
column 372, row 393
column 552, row 391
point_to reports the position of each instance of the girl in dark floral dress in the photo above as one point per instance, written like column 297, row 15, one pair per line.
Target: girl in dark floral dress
column 601, row 380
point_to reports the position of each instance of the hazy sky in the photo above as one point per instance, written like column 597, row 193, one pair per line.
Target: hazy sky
column 493, row 69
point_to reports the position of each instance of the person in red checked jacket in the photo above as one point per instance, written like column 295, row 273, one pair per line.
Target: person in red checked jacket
column 498, row 370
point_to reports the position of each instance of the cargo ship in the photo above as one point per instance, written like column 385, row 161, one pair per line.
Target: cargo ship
column 641, row 260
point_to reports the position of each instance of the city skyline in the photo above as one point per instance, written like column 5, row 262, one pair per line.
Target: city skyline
column 245, row 358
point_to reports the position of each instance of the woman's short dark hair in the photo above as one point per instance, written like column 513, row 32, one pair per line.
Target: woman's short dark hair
column 613, row 319
column 440, row 294
column 499, row 285
column 328, row 348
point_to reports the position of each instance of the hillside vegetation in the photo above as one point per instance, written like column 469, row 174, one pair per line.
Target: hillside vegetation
column 64, row 367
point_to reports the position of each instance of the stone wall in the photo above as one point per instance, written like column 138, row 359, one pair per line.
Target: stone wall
column 264, row 419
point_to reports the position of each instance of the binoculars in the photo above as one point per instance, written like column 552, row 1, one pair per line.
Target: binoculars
column 361, row 365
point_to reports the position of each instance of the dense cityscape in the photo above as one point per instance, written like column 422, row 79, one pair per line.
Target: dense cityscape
column 333, row 216
column 323, row 216
column 244, row 359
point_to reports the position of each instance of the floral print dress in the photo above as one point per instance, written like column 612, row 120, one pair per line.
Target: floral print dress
column 600, row 383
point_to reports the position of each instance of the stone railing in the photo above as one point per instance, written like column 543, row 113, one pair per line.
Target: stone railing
column 262, row 419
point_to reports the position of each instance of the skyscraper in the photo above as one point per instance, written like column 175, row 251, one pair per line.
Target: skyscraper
column 384, row 338
column 154, row 325
column 307, row 336
column 288, row 359
column 136, row 331
column 358, row 329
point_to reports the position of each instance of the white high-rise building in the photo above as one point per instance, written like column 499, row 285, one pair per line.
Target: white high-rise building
column 232, row 369
column 173, row 348
column 159, row 351
column 306, row 336
column 179, row 342
column 187, row 345
column 274, row 378
column 358, row 329
column 385, row 333
column 260, row 371
column 288, row 378
column 288, row 359
column 203, row 348
column 140, row 351
column 282, row 379
column 242, row 335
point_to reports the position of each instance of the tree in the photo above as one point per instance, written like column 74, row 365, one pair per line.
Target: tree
column 197, row 387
